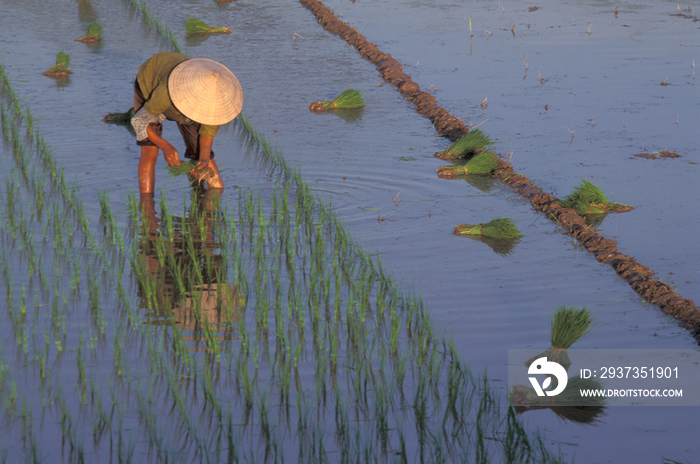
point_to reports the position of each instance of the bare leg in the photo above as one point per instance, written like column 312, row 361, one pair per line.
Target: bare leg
column 215, row 181
column 147, row 169
column 147, row 163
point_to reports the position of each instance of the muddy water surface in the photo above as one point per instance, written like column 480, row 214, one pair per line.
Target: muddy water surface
column 377, row 168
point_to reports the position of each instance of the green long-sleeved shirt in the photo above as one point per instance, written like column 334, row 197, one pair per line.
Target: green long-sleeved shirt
column 153, row 79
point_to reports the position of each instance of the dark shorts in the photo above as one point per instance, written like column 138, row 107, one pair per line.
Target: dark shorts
column 189, row 132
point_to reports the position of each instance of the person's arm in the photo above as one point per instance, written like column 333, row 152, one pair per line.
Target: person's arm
column 141, row 122
column 172, row 157
column 205, row 143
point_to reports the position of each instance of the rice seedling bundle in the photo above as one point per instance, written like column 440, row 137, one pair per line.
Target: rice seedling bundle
column 183, row 168
column 194, row 26
column 350, row 98
column 466, row 145
column 588, row 198
column 568, row 325
column 93, row 34
column 501, row 228
column 61, row 66
column 481, row 163
column 186, row 167
column 119, row 118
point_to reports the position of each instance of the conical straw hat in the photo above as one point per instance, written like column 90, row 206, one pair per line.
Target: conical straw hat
column 205, row 91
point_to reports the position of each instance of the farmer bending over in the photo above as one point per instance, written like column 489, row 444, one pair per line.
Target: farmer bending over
column 200, row 95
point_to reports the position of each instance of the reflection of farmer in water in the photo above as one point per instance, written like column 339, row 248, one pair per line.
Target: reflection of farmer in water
column 199, row 94
column 182, row 277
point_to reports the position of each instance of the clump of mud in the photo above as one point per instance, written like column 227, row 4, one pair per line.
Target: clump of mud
column 658, row 154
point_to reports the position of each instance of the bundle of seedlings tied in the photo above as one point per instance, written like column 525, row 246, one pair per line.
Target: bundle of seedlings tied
column 568, row 325
column 500, row 228
column 350, row 98
column 467, row 145
column 93, row 34
column 122, row 119
column 481, row 163
column 587, row 198
column 194, row 26
column 60, row 69
column 190, row 168
column 119, row 118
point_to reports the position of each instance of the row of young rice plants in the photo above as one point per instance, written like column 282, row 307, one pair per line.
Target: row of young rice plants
column 262, row 334
column 61, row 282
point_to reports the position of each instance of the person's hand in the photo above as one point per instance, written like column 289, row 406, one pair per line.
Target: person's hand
column 172, row 157
column 202, row 164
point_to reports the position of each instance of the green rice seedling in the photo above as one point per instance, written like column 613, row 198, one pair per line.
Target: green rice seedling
column 92, row 35
column 594, row 220
column 588, row 198
column 152, row 22
column 60, row 69
column 183, row 168
column 29, row 122
column 481, row 163
column 466, row 145
column 568, row 325
column 194, row 26
column 350, row 98
column 500, row 228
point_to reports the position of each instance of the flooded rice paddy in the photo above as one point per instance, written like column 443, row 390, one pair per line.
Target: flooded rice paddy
column 320, row 307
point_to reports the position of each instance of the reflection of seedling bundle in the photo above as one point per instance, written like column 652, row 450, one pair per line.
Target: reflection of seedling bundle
column 93, row 34
column 587, row 198
column 481, row 163
column 500, row 228
column 194, row 26
column 466, row 145
column 60, row 69
column 568, row 325
column 523, row 395
column 350, row 98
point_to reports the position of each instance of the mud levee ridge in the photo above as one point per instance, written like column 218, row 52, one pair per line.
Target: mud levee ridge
column 605, row 250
